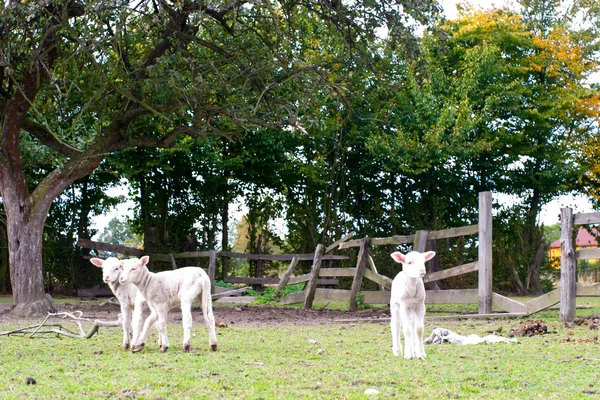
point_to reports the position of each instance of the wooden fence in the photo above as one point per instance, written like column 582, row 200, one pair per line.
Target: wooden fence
column 569, row 288
column 293, row 258
column 169, row 258
column 483, row 295
column 212, row 264
column 366, row 269
column 486, row 299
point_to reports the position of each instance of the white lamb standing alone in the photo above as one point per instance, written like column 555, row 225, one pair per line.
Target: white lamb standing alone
column 131, row 302
column 407, row 304
column 164, row 290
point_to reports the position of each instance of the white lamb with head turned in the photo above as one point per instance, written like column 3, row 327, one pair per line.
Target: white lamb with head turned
column 407, row 304
column 131, row 302
column 165, row 289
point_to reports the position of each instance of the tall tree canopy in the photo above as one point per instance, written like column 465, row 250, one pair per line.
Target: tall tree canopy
column 89, row 78
column 301, row 107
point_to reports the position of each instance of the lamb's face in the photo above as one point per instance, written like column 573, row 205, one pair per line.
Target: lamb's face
column 111, row 268
column 132, row 269
column 413, row 263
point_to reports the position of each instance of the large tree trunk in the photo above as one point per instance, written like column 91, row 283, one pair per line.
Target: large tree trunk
column 25, row 232
column 26, row 211
column 25, row 215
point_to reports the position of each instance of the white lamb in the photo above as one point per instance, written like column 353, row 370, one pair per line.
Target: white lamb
column 407, row 304
column 131, row 302
column 165, row 289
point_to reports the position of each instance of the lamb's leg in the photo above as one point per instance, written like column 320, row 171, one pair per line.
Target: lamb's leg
column 138, row 345
column 186, row 320
column 408, row 328
column 396, row 325
column 419, row 329
column 126, row 314
column 163, row 311
column 209, row 318
column 138, row 318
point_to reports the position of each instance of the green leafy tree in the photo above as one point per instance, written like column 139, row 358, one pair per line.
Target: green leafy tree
column 514, row 99
column 68, row 220
column 88, row 79
column 537, row 102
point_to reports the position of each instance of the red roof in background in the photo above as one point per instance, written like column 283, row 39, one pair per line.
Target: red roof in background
column 584, row 239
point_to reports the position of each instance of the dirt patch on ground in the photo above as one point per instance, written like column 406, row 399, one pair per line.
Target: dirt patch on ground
column 241, row 315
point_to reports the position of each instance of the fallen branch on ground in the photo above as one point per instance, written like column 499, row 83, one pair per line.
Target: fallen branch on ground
column 110, row 302
column 60, row 330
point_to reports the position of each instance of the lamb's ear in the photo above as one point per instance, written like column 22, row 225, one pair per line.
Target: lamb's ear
column 97, row 262
column 429, row 255
column 398, row 257
column 144, row 260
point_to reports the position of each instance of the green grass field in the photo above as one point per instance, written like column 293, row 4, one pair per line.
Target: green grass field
column 283, row 362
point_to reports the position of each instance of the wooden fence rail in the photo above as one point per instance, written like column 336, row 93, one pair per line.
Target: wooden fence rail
column 365, row 266
column 212, row 265
column 366, row 269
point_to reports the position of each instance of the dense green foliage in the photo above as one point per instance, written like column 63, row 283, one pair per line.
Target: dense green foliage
column 82, row 80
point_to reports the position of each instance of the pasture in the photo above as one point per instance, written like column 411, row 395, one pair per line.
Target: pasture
column 275, row 359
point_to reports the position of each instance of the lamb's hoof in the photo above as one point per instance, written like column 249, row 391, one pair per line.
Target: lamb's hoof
column 163, row 349
column 137, row 348
column 187, row 348
column 213, row 347
column 125, row 346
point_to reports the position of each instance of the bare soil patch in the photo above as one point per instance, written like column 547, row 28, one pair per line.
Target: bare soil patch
column 238, row 315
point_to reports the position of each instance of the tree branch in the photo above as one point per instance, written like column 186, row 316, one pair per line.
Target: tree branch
column 75, row 317
column 48, row 138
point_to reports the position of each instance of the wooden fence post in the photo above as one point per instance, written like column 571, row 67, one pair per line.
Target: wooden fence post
column 420, row 241
column 286, row 277
column 421, row 245
column 212, row 266
column 314, row 276
column 485, row 253
column 361, row 263
column 568, row 282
